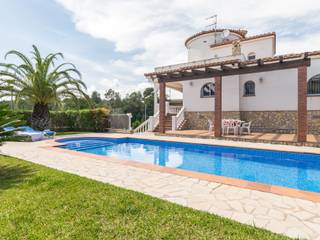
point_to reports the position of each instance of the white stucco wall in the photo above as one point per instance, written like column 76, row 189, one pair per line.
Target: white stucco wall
column 314, row 101
column 262, row 47
column 200, row 49
column 194, row 103
column 276, row 91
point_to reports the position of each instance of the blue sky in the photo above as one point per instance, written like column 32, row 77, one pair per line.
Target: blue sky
column 113, row 42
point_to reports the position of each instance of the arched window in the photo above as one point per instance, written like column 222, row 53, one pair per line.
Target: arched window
column 249, row 89
column 207, row 90
column 251, row 56
column 314, row 85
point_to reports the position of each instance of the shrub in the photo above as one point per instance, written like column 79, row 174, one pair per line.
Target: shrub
column 136, row 124
column 95, row 120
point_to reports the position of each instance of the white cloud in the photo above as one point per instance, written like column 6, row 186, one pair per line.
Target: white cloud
column 152, row 32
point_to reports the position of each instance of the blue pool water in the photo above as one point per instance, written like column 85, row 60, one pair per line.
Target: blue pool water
column 294, row 170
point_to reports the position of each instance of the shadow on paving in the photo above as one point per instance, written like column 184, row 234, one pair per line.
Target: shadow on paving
column 11, row 176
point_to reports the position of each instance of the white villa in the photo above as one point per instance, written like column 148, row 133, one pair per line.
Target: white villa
column 254, row 85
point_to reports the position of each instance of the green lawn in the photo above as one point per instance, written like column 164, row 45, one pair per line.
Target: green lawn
column 41, row 203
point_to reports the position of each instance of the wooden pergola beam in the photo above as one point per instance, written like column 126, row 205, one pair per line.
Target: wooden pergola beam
column 212, row 70
column 197, row 71
column 242, row 69
column 225, row 67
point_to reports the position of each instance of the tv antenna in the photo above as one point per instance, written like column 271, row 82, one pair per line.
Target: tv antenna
column 214, row 21
column 213, row 25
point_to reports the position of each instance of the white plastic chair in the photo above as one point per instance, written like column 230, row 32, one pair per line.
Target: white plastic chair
column 225, row 124
column 234, row 126
column 246, row 126
column 210, row 125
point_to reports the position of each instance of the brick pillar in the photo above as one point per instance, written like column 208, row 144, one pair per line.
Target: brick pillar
column 217, row 106
column 162, row 107
column 302, row 127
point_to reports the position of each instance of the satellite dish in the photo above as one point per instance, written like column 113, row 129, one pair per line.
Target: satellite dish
column 226, row 33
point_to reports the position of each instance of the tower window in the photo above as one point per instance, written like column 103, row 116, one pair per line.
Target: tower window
column 251, row 56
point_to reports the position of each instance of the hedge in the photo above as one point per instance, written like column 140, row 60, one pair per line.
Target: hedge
column 95, row 120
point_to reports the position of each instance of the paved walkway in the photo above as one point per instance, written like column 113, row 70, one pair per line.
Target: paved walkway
column 290, row 216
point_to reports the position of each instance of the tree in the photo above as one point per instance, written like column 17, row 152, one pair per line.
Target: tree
column 39, row 81
column 75, row 103
column 148, row 98
column 113, row 100
column 133, row 103
column 96, row 98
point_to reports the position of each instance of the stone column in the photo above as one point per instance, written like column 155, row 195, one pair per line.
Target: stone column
column 217, row 106
column 302, row 127
column 162, row 107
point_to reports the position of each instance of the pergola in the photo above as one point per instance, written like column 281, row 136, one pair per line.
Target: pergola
column 218, row 69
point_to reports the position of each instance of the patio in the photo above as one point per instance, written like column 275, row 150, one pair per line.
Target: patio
column 278, row 138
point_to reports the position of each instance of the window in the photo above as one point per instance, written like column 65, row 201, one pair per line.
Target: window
column 251, row 56
column 207, row 90
column 249, row 89
column 314, row 85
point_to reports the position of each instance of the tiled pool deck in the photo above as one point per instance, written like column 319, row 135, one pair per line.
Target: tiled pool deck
column 275, row 138
column 277, row 209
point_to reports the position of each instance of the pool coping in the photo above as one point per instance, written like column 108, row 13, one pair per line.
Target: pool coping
column 279, row 190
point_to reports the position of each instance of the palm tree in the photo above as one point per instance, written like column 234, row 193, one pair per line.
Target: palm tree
column 40, row 82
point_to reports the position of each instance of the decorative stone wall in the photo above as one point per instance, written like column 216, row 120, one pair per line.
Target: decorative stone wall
column 199, row 120
column 262, row 121
column 314, row 122
column 271, row 121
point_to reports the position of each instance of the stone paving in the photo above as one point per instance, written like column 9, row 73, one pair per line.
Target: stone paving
column 290, row 216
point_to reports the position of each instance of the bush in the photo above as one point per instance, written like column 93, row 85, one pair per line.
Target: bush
column 93, row 120
column 136, row 124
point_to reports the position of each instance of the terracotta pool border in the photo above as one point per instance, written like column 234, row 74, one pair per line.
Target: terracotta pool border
column 283, row 191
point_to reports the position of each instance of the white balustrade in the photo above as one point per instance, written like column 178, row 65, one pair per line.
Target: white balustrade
column 178, row 119
column 174, row 109
column 149, row 125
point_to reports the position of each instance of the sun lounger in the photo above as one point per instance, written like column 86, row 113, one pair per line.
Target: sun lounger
column 35, row 135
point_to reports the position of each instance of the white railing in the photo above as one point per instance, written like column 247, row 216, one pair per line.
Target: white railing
column 178, row 119
column 153, row 122
column 174, row 109
column 149, row 125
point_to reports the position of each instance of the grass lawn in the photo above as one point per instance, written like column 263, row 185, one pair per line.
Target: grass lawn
column 41, row 203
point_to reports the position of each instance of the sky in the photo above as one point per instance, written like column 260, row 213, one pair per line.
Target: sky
column 114, row 42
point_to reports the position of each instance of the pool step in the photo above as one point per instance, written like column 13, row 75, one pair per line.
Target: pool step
column 87, row 145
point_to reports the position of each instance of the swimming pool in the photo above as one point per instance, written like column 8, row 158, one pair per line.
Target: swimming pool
column 293, row 170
